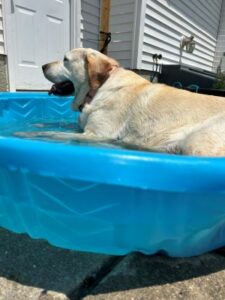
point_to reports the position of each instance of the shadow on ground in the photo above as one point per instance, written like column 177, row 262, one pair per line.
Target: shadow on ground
column 139, row 271
column 35, row 263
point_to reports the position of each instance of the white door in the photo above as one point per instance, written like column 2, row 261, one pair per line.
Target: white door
column 38, row 31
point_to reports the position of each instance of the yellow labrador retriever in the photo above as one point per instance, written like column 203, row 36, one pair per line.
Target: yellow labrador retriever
column 119, row 105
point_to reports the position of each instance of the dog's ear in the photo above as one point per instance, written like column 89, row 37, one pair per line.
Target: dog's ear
column 99, row 67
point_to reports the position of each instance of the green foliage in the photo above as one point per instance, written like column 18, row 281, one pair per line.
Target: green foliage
column 220, row 81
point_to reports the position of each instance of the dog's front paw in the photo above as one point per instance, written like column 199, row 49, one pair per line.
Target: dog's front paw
column 24, row 134
column 33, row 134
column 39, row 125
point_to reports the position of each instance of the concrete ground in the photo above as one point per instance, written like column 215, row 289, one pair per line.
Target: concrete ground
column 32, row 269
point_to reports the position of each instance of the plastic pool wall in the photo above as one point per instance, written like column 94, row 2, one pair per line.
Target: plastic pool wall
column 101, row 199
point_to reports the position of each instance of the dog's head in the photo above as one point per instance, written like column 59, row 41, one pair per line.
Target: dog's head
column 82, row 70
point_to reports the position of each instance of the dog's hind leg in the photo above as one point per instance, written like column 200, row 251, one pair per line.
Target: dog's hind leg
column 207, row 140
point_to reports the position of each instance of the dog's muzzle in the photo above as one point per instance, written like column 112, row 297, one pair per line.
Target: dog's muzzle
column 64, row 88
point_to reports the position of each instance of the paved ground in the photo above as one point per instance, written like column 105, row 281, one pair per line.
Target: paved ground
column 32, row 269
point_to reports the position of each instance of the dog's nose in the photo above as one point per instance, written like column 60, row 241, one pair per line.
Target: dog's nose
column 44, row 67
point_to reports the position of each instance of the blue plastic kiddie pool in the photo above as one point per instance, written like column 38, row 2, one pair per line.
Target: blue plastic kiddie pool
column 100, row 198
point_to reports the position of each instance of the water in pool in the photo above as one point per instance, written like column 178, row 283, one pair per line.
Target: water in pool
column 60, row 126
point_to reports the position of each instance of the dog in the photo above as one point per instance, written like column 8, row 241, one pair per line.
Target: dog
column 117, row 105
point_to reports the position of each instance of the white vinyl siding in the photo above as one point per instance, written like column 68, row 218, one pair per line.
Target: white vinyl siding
column 165, row 21
column 121, row 25
column 2, row 48
column 220, row 47
column 141, row 28
column 90, row 23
